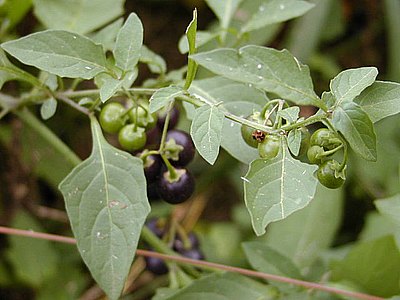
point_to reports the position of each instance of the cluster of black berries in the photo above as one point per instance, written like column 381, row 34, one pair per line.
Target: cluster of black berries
column 174, row 184
column 187, row 246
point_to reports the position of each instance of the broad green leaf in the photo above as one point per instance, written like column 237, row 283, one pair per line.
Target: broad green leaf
column 128, row 44
column 237, row 98
column 265, row 68
column 33, row 261
column 294, row 141
column 80, row 16
column 191, row 38
column 202, row 38
column 13, row 11
column 109, row 88
column 372, row 265
column 290, row 114
column 265, row 259
column 276, row 188
column 348, row 84
column 224, row 10
column 10, row 72
column 376, row 226
column 380, row 100
column 390, row 207
column 107, row 205
column 154, row 61
column 357, row 128
column 59, row 52
column 48, row 108
column 227, row 286
column 162, row 97
column 276, row 11
column 299, row 238
column 107, row 35
column 206, row 131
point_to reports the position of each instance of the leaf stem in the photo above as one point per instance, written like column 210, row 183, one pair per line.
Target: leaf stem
column 72, row 103
column 171, row 255
column 311, row 120
column 29, row 119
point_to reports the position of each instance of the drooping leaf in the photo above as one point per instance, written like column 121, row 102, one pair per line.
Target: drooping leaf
column 224, row 10
column 109, row 87
column 128, row 44
column 294, row 141
column 299, row 238
column 24, row 253
column 265, row 259
column 206, row 131
column 154, row 61
column 290, row 114
column 348, row 84
column 227, row 286
column 108, row 35
column 191, row 32
column 59, row 52
column 162, row 97
column 372, row 265
column 107, row 205
column 276, row 188
column 265, row 68
column 80, row 16
column 276, row 11
column 357, row 128
column 380, row 100
column 237, row 98
column 48, row 108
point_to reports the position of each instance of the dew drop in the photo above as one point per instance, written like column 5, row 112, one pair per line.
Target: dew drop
column 261, row 8
column 98, row 234
column 230, row 69
column 88, row 68
column 74, row 37
column 260, row 77
column 259, row 66
column 232, row 124
column 282, row 6
column 208, row 59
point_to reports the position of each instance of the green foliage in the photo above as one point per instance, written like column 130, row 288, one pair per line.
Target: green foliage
column 107, row 206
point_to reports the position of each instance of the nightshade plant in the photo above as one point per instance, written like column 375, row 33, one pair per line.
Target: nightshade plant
column 249, row 106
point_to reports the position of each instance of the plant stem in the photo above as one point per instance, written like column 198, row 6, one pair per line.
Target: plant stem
column 201, row 264
column 73, row 104
column 29, row 119
column 311, row 120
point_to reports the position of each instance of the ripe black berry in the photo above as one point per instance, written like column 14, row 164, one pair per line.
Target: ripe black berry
column 156, row 265
column 155, row 227
column 176, row 191
column 152, row 167
column 193, row 254
column 179, row 245
column 173, row 118
column 183, row 139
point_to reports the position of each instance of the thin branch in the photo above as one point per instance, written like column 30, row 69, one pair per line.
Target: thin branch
column 73, row 104
column 50, row 213
column 201, row 264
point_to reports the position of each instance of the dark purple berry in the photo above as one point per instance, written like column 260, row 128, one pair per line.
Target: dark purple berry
column 183, row 139
column 153, row 138
column 173, row 118
column 152, row 167
column 193, row 254
column 155, row 227
column 156, row 265
column 179, row 245
column 178, row 191
column 152, row 193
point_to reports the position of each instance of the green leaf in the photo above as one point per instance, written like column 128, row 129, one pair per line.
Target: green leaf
column 237, row 98
column 290, row 114
column 10, row 72
column 372, row 265
column 294, row 141
column 357, row 128
column 202, row 38
column 224, row 10
column 390, row 209
column 299, row 238
column 48, row 108
column 265, row 68
column 276, row 11
column 276, row 188
column 348, row 84
column 162, row 97
column 13, row 11
column 129, row 42
column 58, row 52
column 107, row 36
column 80, row 16
column 227, row 286
column 206, row 131
column 107, row 205
column 155, row 62
column 109, row 88
column 265, row 259
column 380, row 100
column 191, row 37
column 24, row 253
